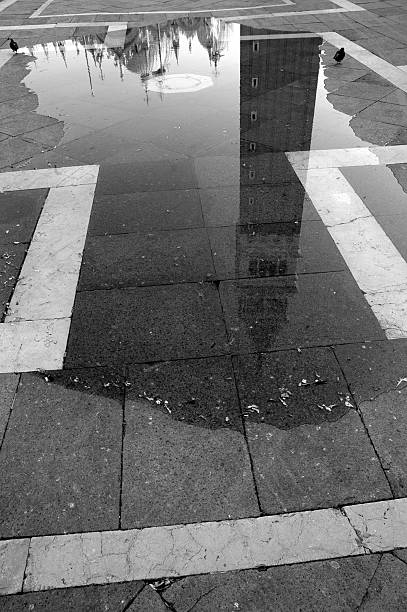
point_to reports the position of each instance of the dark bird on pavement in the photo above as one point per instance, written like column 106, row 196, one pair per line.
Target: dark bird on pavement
column 13, row 45
column 339, row 55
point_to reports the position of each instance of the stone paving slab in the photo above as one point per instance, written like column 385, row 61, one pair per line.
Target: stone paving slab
column 163, row 458
column 68, row 445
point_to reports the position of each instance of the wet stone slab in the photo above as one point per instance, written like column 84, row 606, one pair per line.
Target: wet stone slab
column 109, row 598
column 153, row 176
column 287, row 389
column 8, row 386
column 261, row 250
column 376, row 373
column 68, row 442
column 146, row 324
column 145, row 211
column 200, row 392
column 153, row 258
column 308, row 310
column 315, row 466
column 196, row 474
column 335, row 585
column 11, row 259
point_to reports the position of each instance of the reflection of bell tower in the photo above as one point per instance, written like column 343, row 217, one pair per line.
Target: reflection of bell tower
column 278, row 80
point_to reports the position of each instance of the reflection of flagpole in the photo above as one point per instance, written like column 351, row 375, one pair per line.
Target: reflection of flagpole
column 159, row 48
column 87, row 64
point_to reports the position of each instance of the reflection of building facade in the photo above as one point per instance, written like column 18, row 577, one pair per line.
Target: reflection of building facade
column 278, row 79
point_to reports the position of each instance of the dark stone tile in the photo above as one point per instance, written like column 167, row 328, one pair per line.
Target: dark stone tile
column 259, row 204
column 170, row 256
column 8, row 387
column 309, row 310
column 14, row 150
column 107, row 597
column 146, row 324
column 19, row 214
column 288, row 388
column 388, row 589
column 274, row 249
column 375, row 373
column 24, row 122
column 198, row 391
column 401, row 554
column 122, row 213
column 150, row 176
column 148, row 601
column 178, row 473
column 337, row 586
column 11, row 260
column 315, row 466
column 68, row 444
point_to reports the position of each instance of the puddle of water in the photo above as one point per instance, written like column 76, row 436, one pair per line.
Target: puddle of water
column 379, row 189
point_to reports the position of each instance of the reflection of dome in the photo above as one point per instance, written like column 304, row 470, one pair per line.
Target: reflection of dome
column 180, row 83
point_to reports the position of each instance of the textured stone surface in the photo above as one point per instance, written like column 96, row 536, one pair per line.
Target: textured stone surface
column 13, row 559
column 145, row 324
column 335, row 585
column 388, row 589
column 106, row 598
column 178, row 473
column 93, row 558
column 315, row 465
column 8, row 387
column 381, row 526
column 148, row 601
column 67, row 477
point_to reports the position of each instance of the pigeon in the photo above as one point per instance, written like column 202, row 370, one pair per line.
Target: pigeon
column 13, row 45
column 339, row 55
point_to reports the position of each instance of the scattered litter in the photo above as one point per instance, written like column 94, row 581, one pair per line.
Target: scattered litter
column 160, row 585
column 328, row 408
column 227, row 419
column 253, row 408
column 401, row 381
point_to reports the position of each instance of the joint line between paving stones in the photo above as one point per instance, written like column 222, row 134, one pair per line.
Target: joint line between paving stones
column 11, row 410
column 364, row 424
column 392, row 552
column 122, row 448
column 365, row 595
column 233, row 359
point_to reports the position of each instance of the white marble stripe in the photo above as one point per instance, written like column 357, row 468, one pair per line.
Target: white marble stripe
column 38, row 12
column 115, row 36
column 377, row 266
column 48, row 177
column 51, row 26
column 49, row 276
column 358, row 156
column 61, row 561
column 29, row 346
column 285, row 14
column 391, row 73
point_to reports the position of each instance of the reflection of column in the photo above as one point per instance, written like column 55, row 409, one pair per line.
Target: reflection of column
column 278, row 79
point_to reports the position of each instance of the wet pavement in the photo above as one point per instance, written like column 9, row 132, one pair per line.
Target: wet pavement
column 203, row 296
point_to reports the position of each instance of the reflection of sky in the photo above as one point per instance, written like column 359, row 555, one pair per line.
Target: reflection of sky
column 65, row 91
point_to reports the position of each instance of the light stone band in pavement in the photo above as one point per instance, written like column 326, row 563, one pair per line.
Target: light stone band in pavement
column 80, row 559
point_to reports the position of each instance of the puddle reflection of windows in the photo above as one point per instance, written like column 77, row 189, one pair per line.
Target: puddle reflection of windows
column 252, row 174
column 253, row 115
column 255, row 82
column 252, row 146
column 256, row 46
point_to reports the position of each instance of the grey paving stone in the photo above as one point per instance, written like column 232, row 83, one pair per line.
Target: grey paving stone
column 49, row 136
column 275, row 249
column 378, row 133
column 287, row 387
column 198, row 391
column 148, row 601
column 374, row 371
column 24, row 123
column 346, row 104
column 150, row 176
column 68, row 444
column 108, row 597
column 26, row 103
column 11, row 259
column 19, row 214
column 8, row 387
column 401, row 554
column 178, row 473
column 285, row 312
column 14, row 150
column 388, row 589
column 336, row 586
column 122, row 213
column 261, row 204
column 156, row 258
column 387, row 113
column 379, row 189
column 363, row 89
column 146, row 324
column 315, row 466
